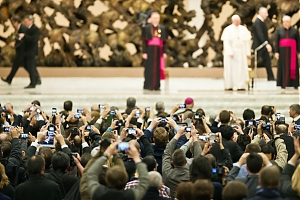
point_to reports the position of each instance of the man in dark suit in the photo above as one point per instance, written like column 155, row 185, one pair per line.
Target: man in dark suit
column 37, row 187
column 19, row 45
column 234, row 149
column 31, row 38
column 260, row 35
column 295, row 113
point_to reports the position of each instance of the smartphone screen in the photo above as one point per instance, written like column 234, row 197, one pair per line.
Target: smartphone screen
column 131, row 131
column 182, row 106
column 49, row 139
column 101, row 106
column 123, row 146
column 54, row 111
column 137, row 113
column 80, row 111
column 23, row 136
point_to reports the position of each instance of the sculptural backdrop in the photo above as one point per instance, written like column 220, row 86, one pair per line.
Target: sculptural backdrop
column 79, row 31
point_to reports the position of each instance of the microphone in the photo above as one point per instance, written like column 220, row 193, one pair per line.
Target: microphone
column 262, row 45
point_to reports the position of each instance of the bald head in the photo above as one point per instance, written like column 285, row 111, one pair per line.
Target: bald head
column 286, row 21
column 263, row 12
column 95, row 107
column 236, row 20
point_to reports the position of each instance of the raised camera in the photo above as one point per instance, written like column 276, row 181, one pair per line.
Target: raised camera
column 197, row 116
column 123, row 146
column 182, row 106
column 188, row 129
column 131, row 131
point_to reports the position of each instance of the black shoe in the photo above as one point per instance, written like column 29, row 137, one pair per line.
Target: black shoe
column 230, row 89
column 271, row 79
column 39, row 82
column 241, row 90
column 29, row 86
column 6, row 81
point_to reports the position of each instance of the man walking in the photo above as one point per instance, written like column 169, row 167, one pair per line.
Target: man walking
column 287, row 44
column 31, row 38
column 236, row 40
column 19, row 45
column 260, row 35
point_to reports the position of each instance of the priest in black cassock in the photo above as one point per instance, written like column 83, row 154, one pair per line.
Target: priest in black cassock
column 154, row 52
column 287, row 46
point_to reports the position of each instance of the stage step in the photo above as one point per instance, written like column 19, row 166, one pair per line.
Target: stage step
column 208, row 94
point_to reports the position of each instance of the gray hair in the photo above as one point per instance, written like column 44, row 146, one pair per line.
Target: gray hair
column 155, row 179
column 29, row 17
column 286, row 18
column 160, row 106
column 262, row 9
column 235, row 17
column 296, row 107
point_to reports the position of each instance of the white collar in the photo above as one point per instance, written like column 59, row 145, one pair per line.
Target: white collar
column 19, row 26
column 296, row 118
column 259, row 17
column 30, row 26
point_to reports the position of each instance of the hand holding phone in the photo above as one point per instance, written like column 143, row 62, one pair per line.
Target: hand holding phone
column 182, row 105
column 123, row 146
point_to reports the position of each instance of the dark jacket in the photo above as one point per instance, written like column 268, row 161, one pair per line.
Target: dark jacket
column 8, row 191
column 234, row 149
column 31, row 38
column 37, row 188
column 20, row 45
column 153, row 194
column 259, row 33
column 265, row 194
column 286, row 182
column 251, row 181
column 289, row 143
column 13, row 162
column 297, row 122
column 65, row 181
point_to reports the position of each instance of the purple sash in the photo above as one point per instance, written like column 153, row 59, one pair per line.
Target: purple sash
column 156, row 41
column 287, row 42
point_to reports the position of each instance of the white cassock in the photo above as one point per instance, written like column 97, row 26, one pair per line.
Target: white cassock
column 236, row 40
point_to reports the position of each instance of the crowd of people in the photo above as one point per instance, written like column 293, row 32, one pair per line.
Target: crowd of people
column 147, row 153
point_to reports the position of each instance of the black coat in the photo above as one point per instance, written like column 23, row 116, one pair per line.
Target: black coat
column 259, row 34
column 153, row 194
column 234, row 149
column 37, row 188
column 297, row 122
column 13, row 163
column 64, row 180
column 20, row 45
column 31, row 38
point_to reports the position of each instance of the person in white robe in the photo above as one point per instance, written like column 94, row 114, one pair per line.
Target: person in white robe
column 236, row 40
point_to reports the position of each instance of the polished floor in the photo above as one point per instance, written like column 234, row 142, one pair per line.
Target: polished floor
column 208, row 93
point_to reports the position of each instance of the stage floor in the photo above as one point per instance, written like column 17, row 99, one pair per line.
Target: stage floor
column 114, row 86
column 208, row 93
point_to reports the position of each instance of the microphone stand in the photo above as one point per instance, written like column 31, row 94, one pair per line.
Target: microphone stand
column 255, row 57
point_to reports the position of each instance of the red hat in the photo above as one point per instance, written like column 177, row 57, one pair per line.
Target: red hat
column 189, row 100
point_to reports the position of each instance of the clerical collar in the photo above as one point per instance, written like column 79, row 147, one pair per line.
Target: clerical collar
column 259, row 17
